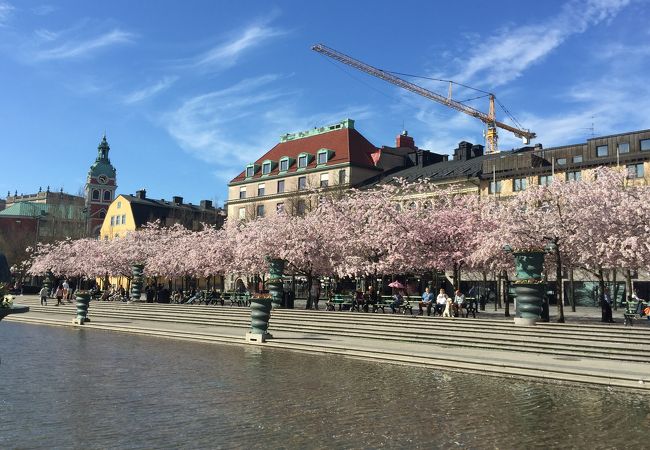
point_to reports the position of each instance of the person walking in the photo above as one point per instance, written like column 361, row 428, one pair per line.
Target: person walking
column 59, row 296
column 43, row 295
column 66, row 290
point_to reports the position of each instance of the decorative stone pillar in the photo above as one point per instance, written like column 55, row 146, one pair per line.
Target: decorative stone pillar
column 47, row 281
column 82, row 302
column 136, row 281
column 260, row 315
column 529, row 285
column 276, row 271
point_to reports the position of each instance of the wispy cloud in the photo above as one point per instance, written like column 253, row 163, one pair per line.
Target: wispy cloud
column 233, row 126
column 226, row 53
column 506, row 55
column 44, row 10
column 84, row 47
column 6, row 9
column 149, row 91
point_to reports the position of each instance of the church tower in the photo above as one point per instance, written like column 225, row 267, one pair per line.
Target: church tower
column 100, row 189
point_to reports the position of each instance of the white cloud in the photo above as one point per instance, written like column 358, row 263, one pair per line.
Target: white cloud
column 227, row 53
column 44, row 10
column 6, row 9
column 506, row 55
column 234, row 126
column 80, row 48
column 149, row 91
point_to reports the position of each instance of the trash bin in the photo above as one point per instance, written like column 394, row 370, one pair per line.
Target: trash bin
column 289, row 298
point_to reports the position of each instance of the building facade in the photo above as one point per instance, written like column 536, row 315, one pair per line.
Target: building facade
column 130, row 212
column 304, row 165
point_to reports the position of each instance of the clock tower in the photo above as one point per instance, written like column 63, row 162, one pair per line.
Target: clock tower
column 100, row 189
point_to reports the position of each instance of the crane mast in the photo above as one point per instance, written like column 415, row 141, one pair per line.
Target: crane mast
column 489, row 119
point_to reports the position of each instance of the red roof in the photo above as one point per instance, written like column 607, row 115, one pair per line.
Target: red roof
column 348, row 144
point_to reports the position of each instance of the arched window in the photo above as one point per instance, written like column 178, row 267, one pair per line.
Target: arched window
column 107, row 196
column 102, row 214
column 95, row 194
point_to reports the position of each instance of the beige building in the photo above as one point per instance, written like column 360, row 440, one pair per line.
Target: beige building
column 320, row 160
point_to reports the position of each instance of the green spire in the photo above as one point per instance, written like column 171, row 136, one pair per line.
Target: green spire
column 103, row 148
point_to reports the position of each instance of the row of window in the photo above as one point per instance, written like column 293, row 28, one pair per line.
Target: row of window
column 279, row 208
column 302, row 184
column 322, row 157
column 117, row 220
column 108, row 195
column 603, row 151
column 520, row 184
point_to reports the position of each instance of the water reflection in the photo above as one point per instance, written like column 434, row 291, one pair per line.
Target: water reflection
column 91, row 389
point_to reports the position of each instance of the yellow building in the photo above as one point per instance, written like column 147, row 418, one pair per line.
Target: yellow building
column 130, row 212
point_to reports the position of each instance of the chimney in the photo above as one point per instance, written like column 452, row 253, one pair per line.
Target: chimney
column 177, row 200
column 463, row 152
column 404, row 140
column 206, row 204
column 142, row 194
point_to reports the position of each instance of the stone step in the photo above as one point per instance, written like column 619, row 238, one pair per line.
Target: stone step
column 558, row 372
column 432, row 336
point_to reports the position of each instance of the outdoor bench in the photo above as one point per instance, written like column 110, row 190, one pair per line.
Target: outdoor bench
column 341, row 301
column 633, row 311
column 471, row 307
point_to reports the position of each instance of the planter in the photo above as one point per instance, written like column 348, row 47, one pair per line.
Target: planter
column 260, row 315
column 82, row 302
column 136, row 282
column 529, row 291
column 529, row 265
column 529, row 303
column 276, row 271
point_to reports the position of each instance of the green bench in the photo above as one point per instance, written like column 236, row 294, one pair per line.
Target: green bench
column 633, row 311
column 341, row 301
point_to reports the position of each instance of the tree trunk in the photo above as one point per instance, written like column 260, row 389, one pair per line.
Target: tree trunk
column 559, row 286
column 309, row 299
column 506, row 283
column 497, row 297
column 572, row 291
column 628, row 285
column 614, row 301
column 484, row 291
column 601, row 293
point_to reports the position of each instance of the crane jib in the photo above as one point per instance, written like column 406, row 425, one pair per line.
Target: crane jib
column 486, row 118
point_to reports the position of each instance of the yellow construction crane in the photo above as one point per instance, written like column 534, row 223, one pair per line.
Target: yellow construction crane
column 491, row 135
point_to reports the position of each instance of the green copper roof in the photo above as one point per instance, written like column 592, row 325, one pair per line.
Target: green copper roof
column 31, row 209
column 347, row 123
column 102, row 165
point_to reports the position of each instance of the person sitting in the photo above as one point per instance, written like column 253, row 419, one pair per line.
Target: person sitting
column 427, row 302
column 370, row 299
column 441, row 302
column 459, row 303
column 357, row 301
column 398, row 301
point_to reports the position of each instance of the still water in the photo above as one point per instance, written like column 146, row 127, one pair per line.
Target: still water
column 69, row 388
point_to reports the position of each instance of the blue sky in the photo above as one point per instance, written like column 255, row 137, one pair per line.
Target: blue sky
column 189, row 92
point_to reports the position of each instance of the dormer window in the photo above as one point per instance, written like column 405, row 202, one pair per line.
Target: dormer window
column 323, row 156
column 251, row 169
column 285, row 163
column 266, row 168
column 303, row 160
